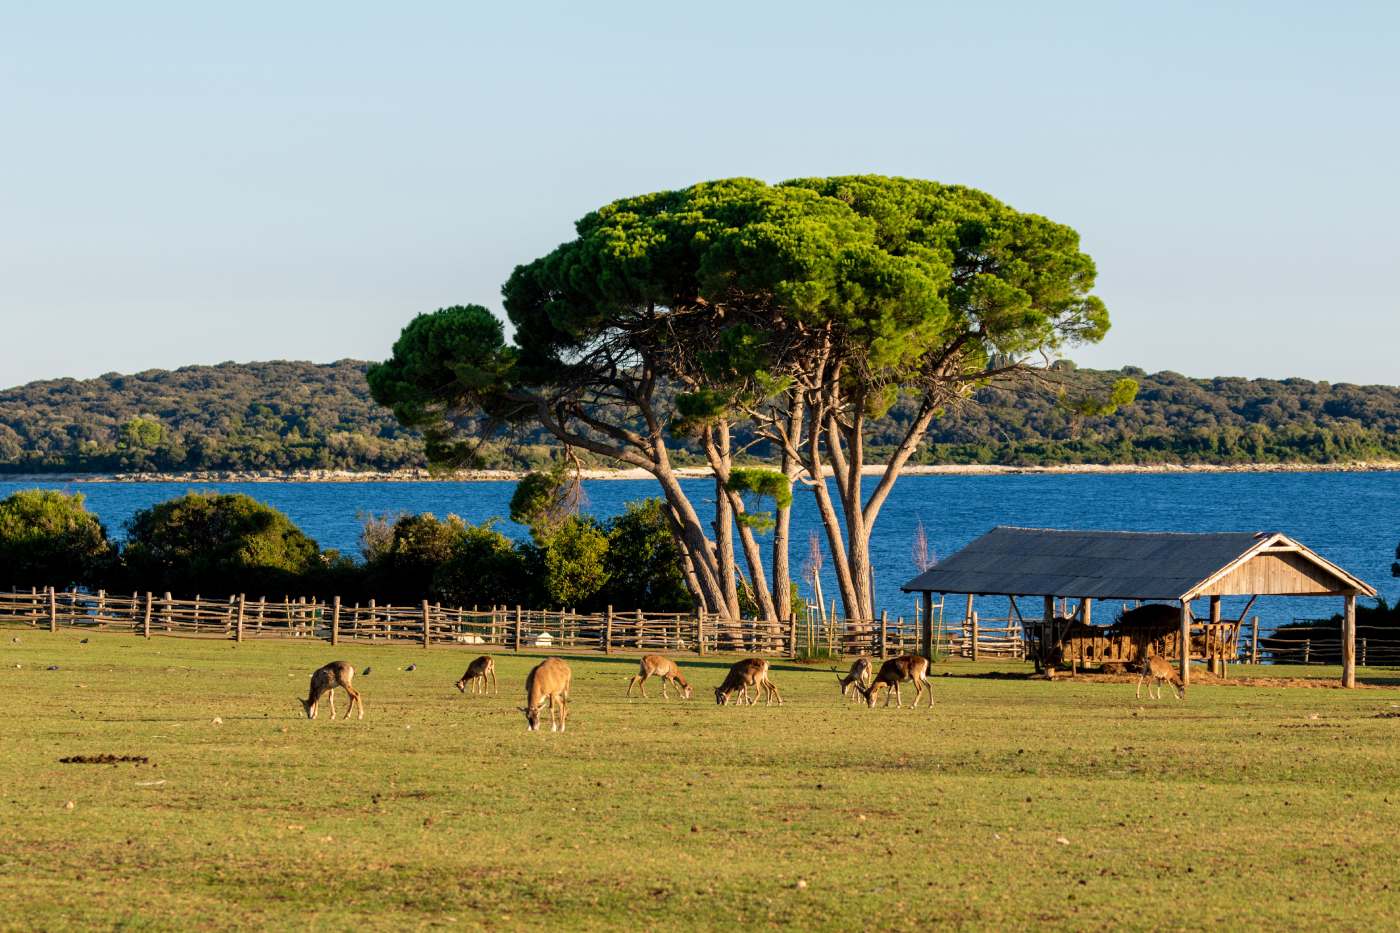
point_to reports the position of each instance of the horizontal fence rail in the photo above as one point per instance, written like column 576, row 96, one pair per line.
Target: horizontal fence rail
column 427, row 624
column 815, row 634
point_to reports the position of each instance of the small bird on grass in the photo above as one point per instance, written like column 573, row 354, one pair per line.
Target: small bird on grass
column 366, row 672
column 411, row 667
column 83, row 642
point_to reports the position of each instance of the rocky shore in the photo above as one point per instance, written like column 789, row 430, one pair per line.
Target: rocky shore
column 424, row 475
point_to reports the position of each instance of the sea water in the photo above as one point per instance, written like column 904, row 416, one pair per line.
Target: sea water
column 1353, row 519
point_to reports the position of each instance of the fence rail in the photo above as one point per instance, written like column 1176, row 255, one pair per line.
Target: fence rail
column 430, row 624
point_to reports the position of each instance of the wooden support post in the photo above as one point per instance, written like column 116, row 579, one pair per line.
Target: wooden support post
column 884, row 633
column 427, row 625
column 1254, row 641
column 976, row 648
column 1349, row 642
column 926, row 632
column 1215, row 645
column 335, row 621
column 146, row 618
column 1047, row 626
column 238, row 632
column 607, row 632
column 519, row 622
column 700, row 631
column 1185, row 645
column 53, row 610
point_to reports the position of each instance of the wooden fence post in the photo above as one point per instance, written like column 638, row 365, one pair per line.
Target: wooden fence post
column 53, row 610
column 1307, row 650
column 1363, row 652
column 792, row 636
column 146, row 618
column 884, row 632
column 700, row 631
column 976, row 648
column 641, row 623
column 242, row 604
column 1254, row 639
column 101, row 606
column 1349, row 641
column 427, row 624
column 518, row 622
column 607, row 632
column 335, row 621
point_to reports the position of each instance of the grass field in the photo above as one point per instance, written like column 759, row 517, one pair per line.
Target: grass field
column 1012, row 802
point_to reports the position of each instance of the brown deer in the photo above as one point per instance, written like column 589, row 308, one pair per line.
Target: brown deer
column 549, row 681
column 654, row 665
column 750, row 672
column 859, row 676
column 477, row 672
column 892, row 673
column 1158, row 670
column 323, row 684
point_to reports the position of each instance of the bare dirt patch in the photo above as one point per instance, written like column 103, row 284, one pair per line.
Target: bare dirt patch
column 105, row 759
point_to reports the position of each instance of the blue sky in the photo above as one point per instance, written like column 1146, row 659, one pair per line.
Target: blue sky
column 181, row 183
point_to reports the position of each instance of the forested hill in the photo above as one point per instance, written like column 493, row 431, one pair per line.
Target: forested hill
column 293, row 415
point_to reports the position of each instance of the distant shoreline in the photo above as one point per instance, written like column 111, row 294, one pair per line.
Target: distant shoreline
column 481, row 476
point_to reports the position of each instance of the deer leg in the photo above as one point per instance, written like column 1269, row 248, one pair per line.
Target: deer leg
column 331, row 693
column 664, row 694
column 630, row 683
column 563, row 715
column 494, row 684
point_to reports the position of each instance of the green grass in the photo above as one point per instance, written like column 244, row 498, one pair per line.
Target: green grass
column 1013, row 802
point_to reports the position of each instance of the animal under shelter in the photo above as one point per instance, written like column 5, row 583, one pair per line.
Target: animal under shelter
column 1135, row 566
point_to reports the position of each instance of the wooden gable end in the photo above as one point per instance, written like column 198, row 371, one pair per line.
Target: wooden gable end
column 1277, row 573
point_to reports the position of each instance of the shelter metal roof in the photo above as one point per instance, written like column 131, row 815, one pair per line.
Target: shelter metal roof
column 1103, row 564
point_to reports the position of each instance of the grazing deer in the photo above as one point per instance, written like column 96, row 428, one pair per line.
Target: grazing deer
column 654, row 665
column 477, row 672
column 892, row 673
column 750, row 672
column 1158, row 669
column 548, row 681
column 323, row 684
column 858, row 676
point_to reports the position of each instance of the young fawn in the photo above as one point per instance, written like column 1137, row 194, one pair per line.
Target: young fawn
column 477, row 672
column 1158, row 670
column 323, row 683
column 858, row 676
column 654, row 665
column 549, row 681
column 751, row 672
column 892, row 673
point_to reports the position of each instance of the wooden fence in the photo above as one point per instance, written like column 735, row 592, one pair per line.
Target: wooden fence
column 239, row 618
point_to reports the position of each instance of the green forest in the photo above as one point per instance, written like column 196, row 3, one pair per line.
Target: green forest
column 286, row 415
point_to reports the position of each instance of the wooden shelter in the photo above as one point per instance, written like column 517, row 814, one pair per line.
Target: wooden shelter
column 1148, row 566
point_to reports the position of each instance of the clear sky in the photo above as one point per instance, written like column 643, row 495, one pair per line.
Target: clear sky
column 191, row 183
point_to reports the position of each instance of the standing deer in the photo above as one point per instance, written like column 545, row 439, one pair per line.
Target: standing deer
column 858, row 676
column 750, row 672
column 892, row 673
column 654, row 665
column 477, row 672
column 549, row 681
column 323, row 683
column 1158, row 669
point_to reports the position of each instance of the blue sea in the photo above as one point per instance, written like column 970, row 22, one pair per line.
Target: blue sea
column 1352, row 519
